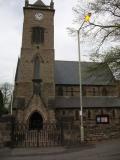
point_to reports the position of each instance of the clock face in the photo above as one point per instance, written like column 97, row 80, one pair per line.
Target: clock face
column 39, row 16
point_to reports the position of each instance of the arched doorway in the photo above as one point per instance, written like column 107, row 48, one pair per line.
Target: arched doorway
column 35, row 121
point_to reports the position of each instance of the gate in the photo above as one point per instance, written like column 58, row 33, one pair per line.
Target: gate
column 49, row 135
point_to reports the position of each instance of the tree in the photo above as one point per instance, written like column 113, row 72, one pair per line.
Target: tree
column 111, row 58
column 3, row 110
column 6, row 90
column 1, row 103
column 103, row 30
column 105, row 21
column 109, row 30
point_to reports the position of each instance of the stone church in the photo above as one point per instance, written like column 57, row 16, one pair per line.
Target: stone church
column 47, row 91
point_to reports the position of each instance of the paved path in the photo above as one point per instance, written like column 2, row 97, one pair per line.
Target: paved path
column 109, row 150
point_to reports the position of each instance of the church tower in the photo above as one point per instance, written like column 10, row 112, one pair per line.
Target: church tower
column 34, row 82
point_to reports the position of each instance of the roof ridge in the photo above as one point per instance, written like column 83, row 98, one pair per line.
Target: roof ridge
column 78, row 61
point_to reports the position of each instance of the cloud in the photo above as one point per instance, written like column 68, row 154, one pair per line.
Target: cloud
column 10, row 37
column 11, row 16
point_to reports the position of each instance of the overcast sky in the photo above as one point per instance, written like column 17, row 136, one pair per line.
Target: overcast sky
column 11, row 16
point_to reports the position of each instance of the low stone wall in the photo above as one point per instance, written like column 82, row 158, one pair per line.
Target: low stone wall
column 92, row 132
column 5, row 131
column 70, row 132
column 102, row 132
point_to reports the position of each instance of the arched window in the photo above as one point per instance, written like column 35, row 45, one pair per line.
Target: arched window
column 114, row 113
column 36, row 68
column 72, row 92
column 60, row 91
column 77, row 116
column 35, row 121
column 94, row 91
column 104, row 92
column 37, row 35
column 89, row 114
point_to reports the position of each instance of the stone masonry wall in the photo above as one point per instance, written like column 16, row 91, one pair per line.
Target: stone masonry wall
column 102, row 132
column 93, row 132
column 5, row 131
column 88, row 90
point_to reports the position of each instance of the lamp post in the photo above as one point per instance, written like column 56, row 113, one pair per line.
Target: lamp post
column 87, row 18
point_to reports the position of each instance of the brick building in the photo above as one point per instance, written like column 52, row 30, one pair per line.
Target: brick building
column 47, row 90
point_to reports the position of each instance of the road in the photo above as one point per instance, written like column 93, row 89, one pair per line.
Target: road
column 109, row 150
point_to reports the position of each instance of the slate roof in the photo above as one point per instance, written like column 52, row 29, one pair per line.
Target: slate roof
column 66, row 72
column 88, row 102
column 39, row 3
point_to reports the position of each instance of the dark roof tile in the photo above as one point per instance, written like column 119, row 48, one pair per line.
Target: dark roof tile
column 66, row 72
column 88, row 102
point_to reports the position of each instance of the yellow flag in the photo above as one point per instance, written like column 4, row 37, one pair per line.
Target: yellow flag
column 87, row 17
